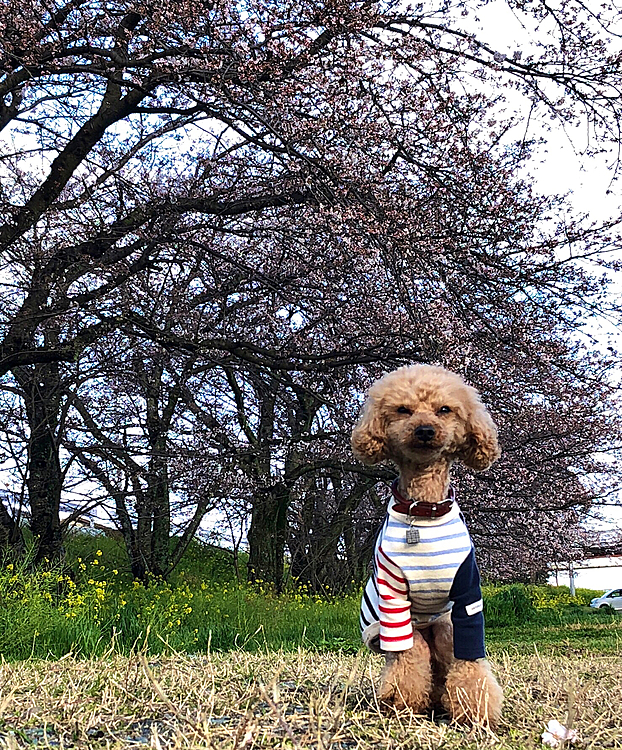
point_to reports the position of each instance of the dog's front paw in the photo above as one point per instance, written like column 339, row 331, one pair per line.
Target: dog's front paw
column 472, row 694
column 406, row 681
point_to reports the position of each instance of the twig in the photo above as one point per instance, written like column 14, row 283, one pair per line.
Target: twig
column 172, row 708
column 279, row 716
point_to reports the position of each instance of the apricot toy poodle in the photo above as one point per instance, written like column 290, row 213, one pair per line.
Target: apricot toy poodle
column 422, row 606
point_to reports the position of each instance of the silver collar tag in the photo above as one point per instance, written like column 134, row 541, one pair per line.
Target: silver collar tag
column 412, row 535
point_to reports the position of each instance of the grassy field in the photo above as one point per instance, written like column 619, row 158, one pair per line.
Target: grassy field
column 94, row 660
column 281, row 699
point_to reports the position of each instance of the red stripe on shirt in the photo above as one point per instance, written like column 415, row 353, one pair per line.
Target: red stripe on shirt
column 388, row 585
column 395, row 624
column 386, row 570
column 388, row 559
column 392, row 610
column 393, row 638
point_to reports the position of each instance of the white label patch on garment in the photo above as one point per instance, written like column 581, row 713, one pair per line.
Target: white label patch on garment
column 473, row 609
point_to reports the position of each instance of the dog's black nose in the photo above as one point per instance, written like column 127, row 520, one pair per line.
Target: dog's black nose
column 425, row 432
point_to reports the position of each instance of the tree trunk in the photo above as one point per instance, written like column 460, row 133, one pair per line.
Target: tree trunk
column 141, row 560
column 320, row 560
column 157, row 475
column 44, row 489
column 267, row 535
column 161, row 509
column 130, row 538
column 40, row 385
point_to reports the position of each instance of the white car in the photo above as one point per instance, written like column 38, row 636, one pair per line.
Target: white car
column 611, row 599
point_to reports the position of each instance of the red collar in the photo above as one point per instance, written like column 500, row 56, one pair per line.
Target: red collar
column 419, row 508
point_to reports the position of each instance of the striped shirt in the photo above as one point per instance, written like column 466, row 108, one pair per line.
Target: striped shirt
column 414, row 584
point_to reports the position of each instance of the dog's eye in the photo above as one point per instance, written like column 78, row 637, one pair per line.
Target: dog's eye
column 403, row 410
column 444, row 410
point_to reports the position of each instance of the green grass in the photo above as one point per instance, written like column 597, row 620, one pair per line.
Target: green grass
column 589, row 634
column 202, row 661
column 50, row 614
column 304, row 700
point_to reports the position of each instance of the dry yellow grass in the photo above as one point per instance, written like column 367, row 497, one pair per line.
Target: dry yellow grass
column 290, row 700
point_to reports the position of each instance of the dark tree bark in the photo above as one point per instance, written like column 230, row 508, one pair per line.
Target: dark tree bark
column 329, row 544
column 42, row 391
column 160, row 508
column 267, row 536
column 157, row 491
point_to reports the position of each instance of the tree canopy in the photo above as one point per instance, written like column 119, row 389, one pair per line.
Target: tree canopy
column 219, row 221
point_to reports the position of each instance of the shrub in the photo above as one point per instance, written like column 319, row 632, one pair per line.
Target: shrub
column 508, row 605
column 519, row 604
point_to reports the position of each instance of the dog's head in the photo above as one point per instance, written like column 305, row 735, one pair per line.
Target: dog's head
column 420, row 414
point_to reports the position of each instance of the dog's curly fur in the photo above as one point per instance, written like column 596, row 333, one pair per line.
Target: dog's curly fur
column 428, row 674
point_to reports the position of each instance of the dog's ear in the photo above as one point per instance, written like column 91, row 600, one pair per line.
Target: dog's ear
column 368, row 437
column 480, row 448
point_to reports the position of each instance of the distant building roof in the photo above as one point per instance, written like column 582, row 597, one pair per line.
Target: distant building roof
column 603, row 550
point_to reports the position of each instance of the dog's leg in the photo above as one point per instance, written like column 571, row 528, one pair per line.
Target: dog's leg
column 442, row 647
column 472, row 694
column 406, row 679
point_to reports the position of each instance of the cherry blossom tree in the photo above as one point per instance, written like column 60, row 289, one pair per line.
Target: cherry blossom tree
column 273, row 139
